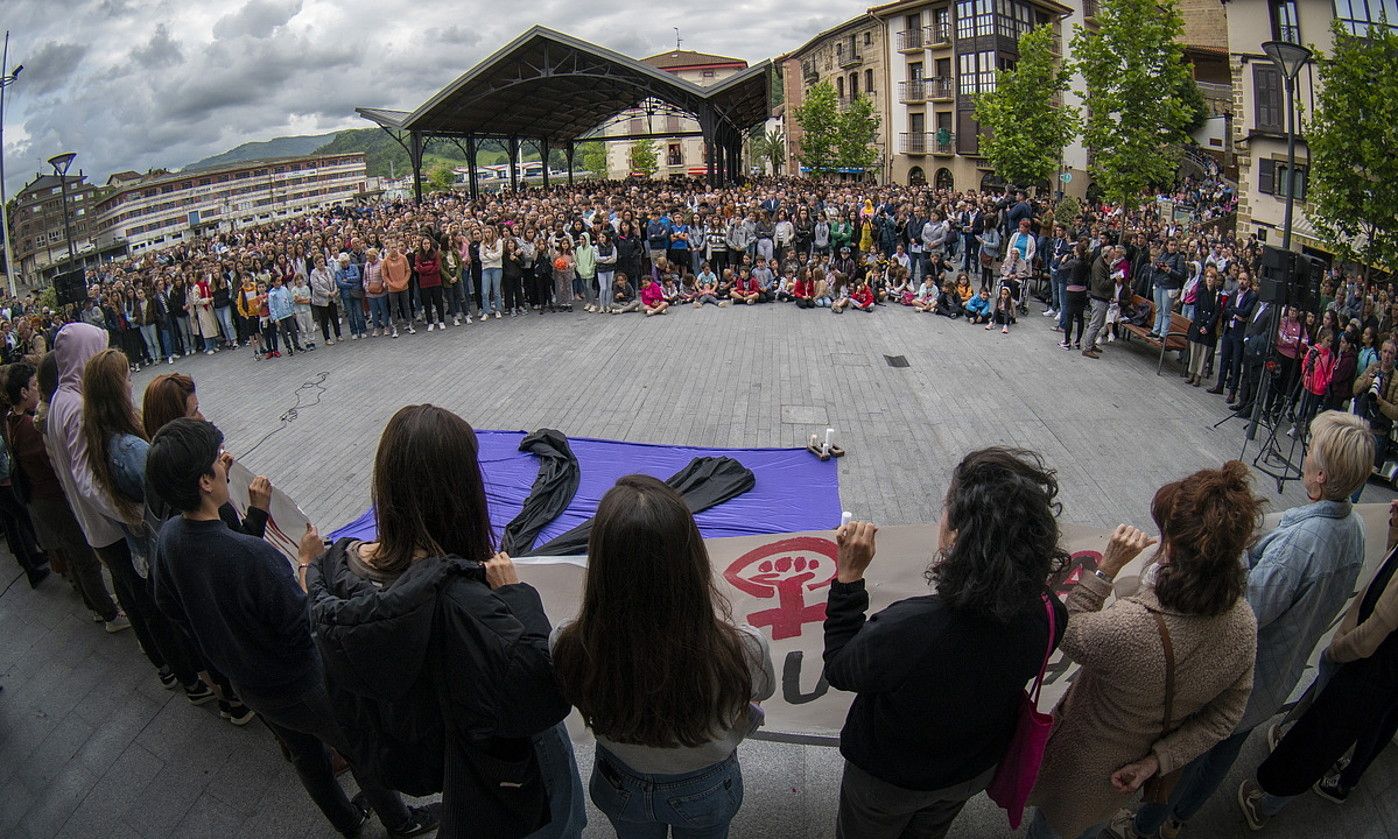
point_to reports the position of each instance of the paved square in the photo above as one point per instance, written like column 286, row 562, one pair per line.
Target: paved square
column 92, row 746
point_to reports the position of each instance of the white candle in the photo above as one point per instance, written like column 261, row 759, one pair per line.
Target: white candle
column 845, row 518
column 828, row 432
column 814, row 438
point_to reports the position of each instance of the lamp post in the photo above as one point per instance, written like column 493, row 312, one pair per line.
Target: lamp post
column 1289, row 58
column 60, row 164
column 6, row 80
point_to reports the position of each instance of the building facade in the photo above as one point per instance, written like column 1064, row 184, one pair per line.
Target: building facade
column 680, row 153
column 1259, row 106
column 853, row 57
column 164, row 208
column 36, row 222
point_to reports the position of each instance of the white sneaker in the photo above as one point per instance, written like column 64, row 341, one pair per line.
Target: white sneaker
column 456, row 321
column 395, row 333
column 468, row 320
column 329, row 342
column 354, row 337
column 170, row 360
column 498, row 315
column 1110, row 338
column 1050, row 313
column 411, row 331
column 431, row 326
column 118, row 623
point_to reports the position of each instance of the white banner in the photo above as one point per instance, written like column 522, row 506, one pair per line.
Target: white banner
column 779, row 584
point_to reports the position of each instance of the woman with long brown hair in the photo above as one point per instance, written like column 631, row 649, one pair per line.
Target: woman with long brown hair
column 437, row 654
column 655, row 633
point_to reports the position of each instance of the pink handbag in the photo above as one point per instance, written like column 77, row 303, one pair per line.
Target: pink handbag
column 1019, row 769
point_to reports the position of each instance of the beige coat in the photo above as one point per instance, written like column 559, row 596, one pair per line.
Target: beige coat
column 1112, row 715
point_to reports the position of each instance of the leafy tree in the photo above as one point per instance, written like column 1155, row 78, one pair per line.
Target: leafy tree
column 1025, row 133
column 768, row 148
column 592, row 158
column 1352, row 136
column 856, row 133
column 643, row 157
column 440, row 177
column 1133, row 69
column 819, row 117
column 1194, row 105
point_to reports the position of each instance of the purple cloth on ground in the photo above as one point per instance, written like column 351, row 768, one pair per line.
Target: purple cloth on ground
column 794, row 490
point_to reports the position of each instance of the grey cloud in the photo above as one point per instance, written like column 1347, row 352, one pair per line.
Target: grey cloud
column 50, row 67
column 160, row 51
column 257, row 19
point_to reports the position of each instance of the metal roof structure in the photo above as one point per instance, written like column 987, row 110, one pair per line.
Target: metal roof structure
column 555, row 89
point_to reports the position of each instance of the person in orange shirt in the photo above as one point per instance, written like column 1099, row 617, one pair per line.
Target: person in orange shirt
column 396, row 274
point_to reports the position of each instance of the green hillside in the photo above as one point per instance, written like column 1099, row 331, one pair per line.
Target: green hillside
column 266, row 149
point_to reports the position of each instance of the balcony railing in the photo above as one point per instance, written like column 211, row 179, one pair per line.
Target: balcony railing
column 939, row 33
column 912, row 91
column 1090, row 8
column 914, row 142
column 910, row 39
column 850, row 59
column 942, row 142
column 939, row 88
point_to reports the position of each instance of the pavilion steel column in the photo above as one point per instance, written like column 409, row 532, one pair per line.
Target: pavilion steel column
column 471, row 156
column 544, row 156
column 513, row 145
column 569, row 150
column 415, row 152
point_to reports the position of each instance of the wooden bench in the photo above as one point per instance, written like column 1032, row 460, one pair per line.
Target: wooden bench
column 1177, row 338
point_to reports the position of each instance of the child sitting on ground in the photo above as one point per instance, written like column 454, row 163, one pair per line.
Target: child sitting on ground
column 671, row 290
column 746, row 290
column 863, row 297
column 963, row 288
column 1004, row 311
column 652, row 298
column 803, row 290
column 689, row 293
column 949, row 303
column 708, row 291
column 624, row 295
column 926, row 298
column 978, row 308
column 822, row 286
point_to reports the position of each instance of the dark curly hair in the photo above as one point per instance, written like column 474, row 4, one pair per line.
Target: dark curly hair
column 1001, row 507
column 1206, row 521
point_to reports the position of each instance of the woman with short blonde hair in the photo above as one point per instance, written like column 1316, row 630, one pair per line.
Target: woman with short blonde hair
column 1343, row 448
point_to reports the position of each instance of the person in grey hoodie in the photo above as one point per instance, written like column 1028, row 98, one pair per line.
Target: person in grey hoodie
column 98, row 516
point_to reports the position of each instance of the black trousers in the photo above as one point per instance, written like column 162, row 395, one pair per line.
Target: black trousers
column 1231, row 362
column 161, row 641
column 432, row 299
column 327, row 316
column 19, row 533
column 306, row 725
column 1359, row 707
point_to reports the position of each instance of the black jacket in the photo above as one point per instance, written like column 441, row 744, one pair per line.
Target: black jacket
column 438, row 681
column 1204, row 328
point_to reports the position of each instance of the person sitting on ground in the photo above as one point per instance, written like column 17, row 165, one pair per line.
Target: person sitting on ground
column 1166, row 671
column 238, row 598
column 949, row 302
column 674, row 647
column 840, row 300
column 1004, row 311
column 901, row 289
column 708, row 292
column 823, row 284
column 963, row 288
column 862, row 298
column 746, row 290
column 473, row 665
column 926, row 298
column 803, row 290
column 653, row 300
column 669, row 291
column 623, row 295
column 979, row 309
column 939, row 678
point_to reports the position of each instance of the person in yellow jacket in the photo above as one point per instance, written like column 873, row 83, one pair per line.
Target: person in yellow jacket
column 249, row 303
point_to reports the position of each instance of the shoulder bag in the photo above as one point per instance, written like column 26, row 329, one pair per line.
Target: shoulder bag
column 1157, row 790
column 1019, row 769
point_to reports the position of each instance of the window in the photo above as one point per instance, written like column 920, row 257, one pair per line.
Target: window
column 869, row 81
column 1272, row 179
column 943, row 68
column 977, row 72
column 917, row 123
column 853, row 85
column 1357, row 16
column 914, row 21
column 1267, row 94
column 868, row 38
column 708, row 74
column 975, row 18
column 915, row 71
column 1286, row 25
column 676, row 155
column 840, row 87
column 1013, row 19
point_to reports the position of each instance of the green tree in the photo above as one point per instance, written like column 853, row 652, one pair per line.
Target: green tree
column 1352, row 136
column 1024, row 131
column 856, row 133
column 1196, row 109
column 440, row 177
column 643, row 157
column 1132, row 67
column 768, row 148
column 591, row 157
column 819, row 117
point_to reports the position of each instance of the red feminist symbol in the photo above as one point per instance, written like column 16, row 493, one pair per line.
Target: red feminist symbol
column 786, row 570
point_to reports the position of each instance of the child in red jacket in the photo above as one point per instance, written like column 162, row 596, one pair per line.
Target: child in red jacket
column 863, row 297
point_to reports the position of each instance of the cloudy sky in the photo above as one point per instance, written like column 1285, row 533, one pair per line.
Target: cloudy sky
column 134, row 84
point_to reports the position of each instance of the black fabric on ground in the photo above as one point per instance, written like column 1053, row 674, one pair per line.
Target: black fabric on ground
column 552, row 492
column 706, row 482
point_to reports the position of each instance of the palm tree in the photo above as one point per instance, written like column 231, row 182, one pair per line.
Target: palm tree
column 770, row 149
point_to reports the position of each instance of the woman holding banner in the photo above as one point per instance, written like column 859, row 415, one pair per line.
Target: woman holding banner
column 1166, row 672
column 659, row 672
column 940, row 677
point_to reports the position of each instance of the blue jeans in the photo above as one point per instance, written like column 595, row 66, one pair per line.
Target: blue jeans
column 225, row 321
column 568, row 813
column 1039, row 829
column 378, row 312
column 1197, row 784
column 458, row 306
column 167, row 343
column 697, row 805
column 490, row 286
column 1162, row 310
column 1058, row 297
column 354, row 312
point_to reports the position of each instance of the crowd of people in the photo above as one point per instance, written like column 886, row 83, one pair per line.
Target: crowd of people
column 423, row 661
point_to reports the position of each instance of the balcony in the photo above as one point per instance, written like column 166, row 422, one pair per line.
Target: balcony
column 913, row 91
column 809, row 73
column 1090, row 9
column 849, row 59
column 939, row 89
column 1218, row 98
column 939, row 33
column 914, row 142
column 942, row 142
column 910, row 40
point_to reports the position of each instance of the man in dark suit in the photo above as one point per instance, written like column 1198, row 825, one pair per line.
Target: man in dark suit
column 1255, row 337
column 972, row 224
column 1236, row 319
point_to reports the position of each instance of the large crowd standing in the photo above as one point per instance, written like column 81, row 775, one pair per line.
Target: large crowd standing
column 424, row 662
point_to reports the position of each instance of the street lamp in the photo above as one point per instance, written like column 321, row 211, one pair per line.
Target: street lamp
column 1289, row 58
column 5, row 81
column 60, row 164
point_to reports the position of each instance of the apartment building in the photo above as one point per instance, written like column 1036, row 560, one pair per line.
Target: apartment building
column 1259, row 105
column 853, row 57
column 36, row 222
column 160, row 209
column 682, row 154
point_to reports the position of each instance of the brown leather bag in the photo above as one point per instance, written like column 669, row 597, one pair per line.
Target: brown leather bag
column 1157, row 790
